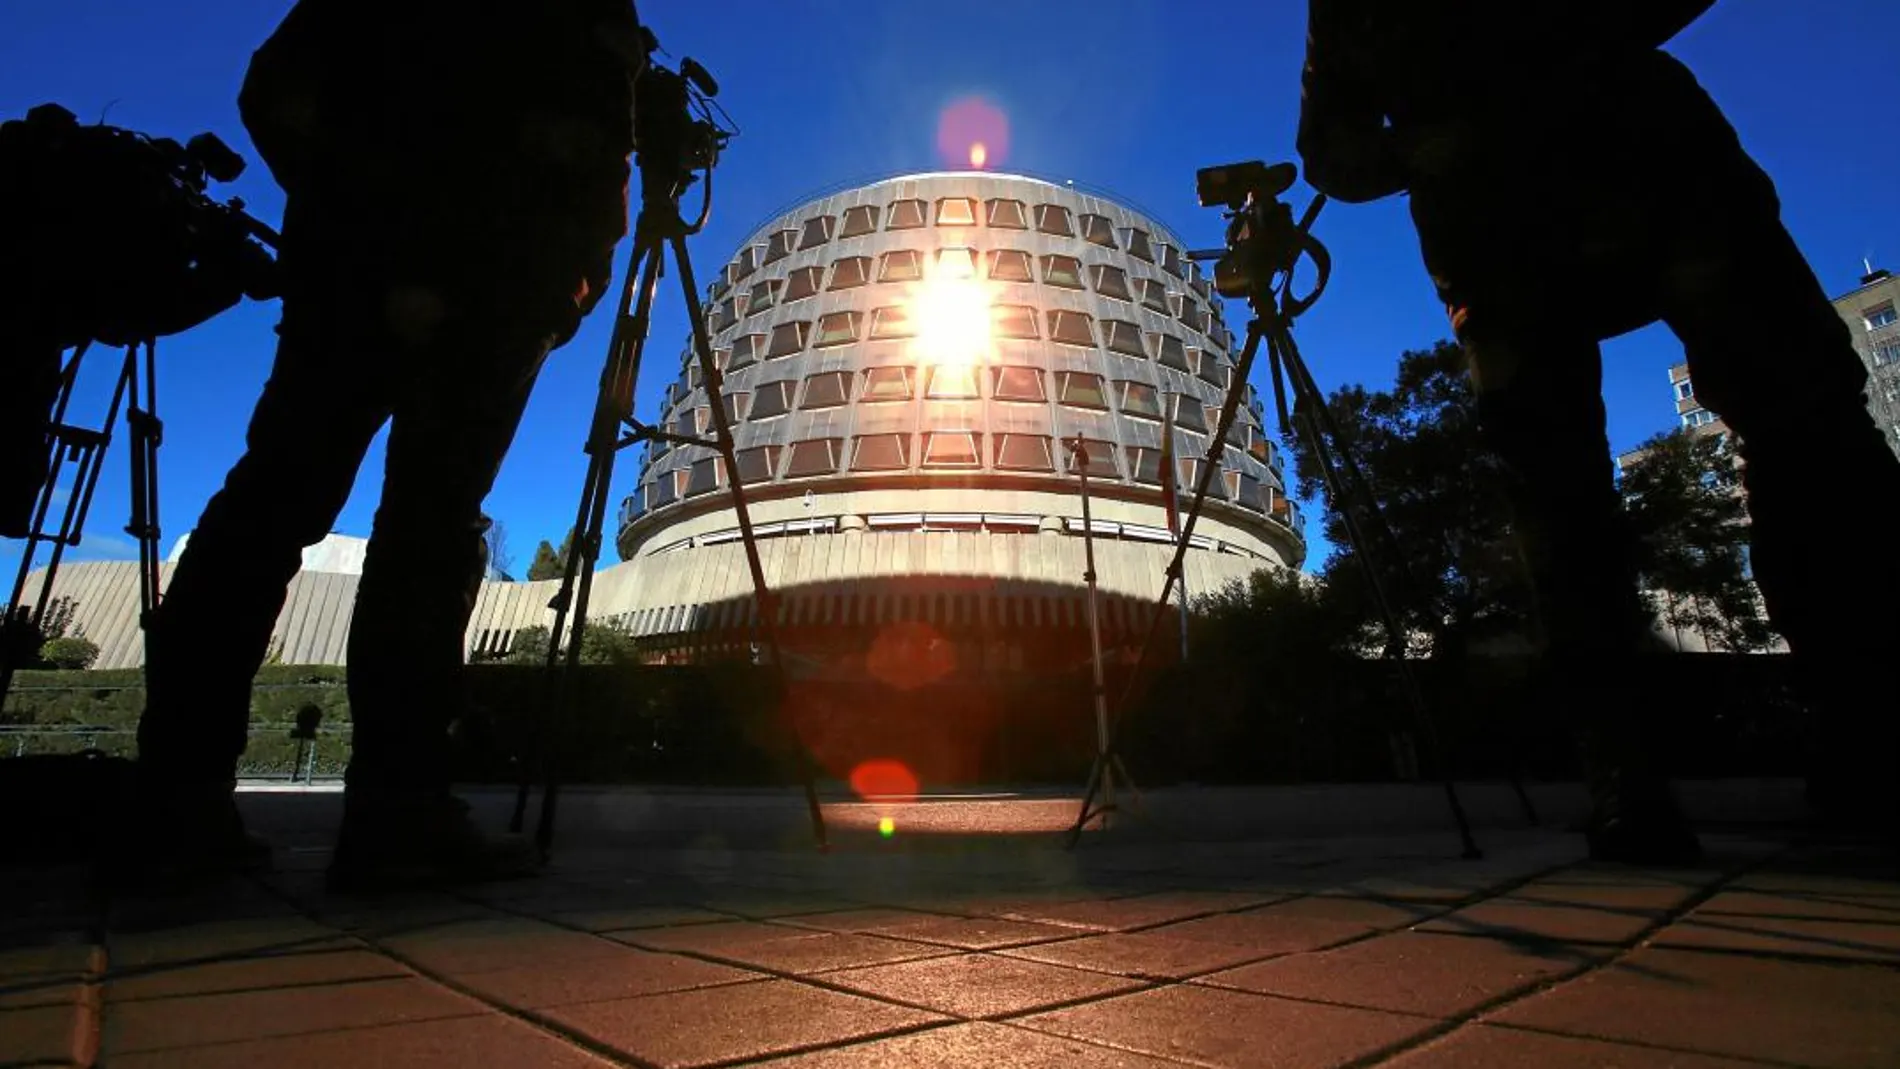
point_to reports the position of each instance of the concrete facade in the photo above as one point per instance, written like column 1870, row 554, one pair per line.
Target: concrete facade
column 1872, row 315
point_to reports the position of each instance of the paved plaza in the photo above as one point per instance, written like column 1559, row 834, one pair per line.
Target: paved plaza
column 704, row 930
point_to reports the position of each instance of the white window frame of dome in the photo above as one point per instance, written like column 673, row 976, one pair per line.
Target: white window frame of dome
column 966, row 218
column 902, row 438
column 891, row 322
column 801, row 328
column 781, row 244
column 1097, row 273
column 1118, row 334
column 1013, row 321
column 995, row 256
column 1146, row 290
column 974, row 439
column 872, row 213
column 923, row 214
column 1067, row 375
column 1057, row 316
column 900, row 371
column 953, row 521
column 1080, row 274
column 814, row 275
column 1136, row 532
column 854, row 319
column 1003, row 441
column 1075, row 525
column 916, row 260
column 1021, row 209
column 956, row 261
column 1011, row 522
column 1107, row 229
column 958, row 375
column 866, row 272
column 1121, row 400
column 1034, row 375
column 895, row 519
column 844, row 377
column 827, row 226
column 1062, row 213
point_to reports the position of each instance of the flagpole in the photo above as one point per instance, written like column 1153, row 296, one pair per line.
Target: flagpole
column 1171, row 501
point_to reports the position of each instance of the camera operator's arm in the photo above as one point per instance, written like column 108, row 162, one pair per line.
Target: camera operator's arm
column 1349, row 152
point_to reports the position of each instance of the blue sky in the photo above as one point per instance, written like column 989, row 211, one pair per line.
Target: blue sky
column 1129, row 96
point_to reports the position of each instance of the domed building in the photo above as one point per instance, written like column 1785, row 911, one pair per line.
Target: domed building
column 902, row 364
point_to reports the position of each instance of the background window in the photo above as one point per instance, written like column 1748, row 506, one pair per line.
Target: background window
column 1013, row 321
column 1098, row 229
column 1135, row 241
column 1191, row 315
column 836, row 328
column 729, row 312
column 951, row 382
column 1024, row 452
column 1169, row 352
column 764, row 295
column 1154, row 294
column 886, row 384
column 906, row 215
column 814, row 456
column 891, row 321
column 1016, row 384
column 746, row 350
column 757, row 464
column 704, row 477
column 859, row 221
column 1071, row 328
column 802, row 283
column 1171, row 259
column 1121, row 336
column 1139, row 399
column 747, row 262
column 817, row 231
column 781, row 245
column 1144, row 465
column 1101, row 458
column 1080, row 389
column 880, row 452
column 1189, row 415
column 1685, row 389
column 773, row 399
column 1109, row 281
column 787, row 339
column 1881, row 315
column 828, row 390
column 1009, row 265
column 663, row 490
column 951, row 449
column 1064, row 271
column 956, row 211
column 1054, row 219
column 901, row 265
column 1008, row 214
column 956, row 263
column 850, row 271
column 1212, row 371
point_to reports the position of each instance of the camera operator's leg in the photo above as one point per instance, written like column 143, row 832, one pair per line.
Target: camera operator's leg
column 1770, row 355
column 1541, row 410
column 306, row 439
column 450, row 431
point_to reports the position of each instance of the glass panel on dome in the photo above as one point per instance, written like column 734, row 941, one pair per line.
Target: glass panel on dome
column 1121, row 336
column 764, row 294
column 1024, row 452
column 1054, row 219
column 780, row 246
column 1064, row 271
column 956, row 211
column 886, row 384
column 836, row 328
column 1189, row 413
column 757, row 464
column 906, row 215
column 859, row 220
column 1099, row 230
column 850, row 271
column 704, row 477
column 951, row 449
column 1070, row 328
column 1007, row 214
column 902, row 265
column 787, row 339
column 1080, row 389
column 801, row 284
column 813, row 456
column 881, row 452
column 1169, row 352
column 1135, row 240
column 951, row 382
column 1009, row 265
column 1017, row 384
column 772, row 399
column 828, row 390
column 1101, row 458
column 817, row 231
column 1139, row 399
column 1013, row 321
column 1109, row 281
column 956, row 263
column 1154, row 294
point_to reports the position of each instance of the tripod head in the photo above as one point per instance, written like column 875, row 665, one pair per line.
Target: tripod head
column 1264, row 244
column 678, row 133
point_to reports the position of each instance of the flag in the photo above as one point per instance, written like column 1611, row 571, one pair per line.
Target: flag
column 1170, row 494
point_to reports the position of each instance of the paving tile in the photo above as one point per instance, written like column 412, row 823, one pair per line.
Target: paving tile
column 765, row 907
column 626, row 974
column 824, row 951
column 976, row 933
column 46, row 1034
column 859, row 920
column 979, row 985
column 1367, row 912
column 1263, row 932
column 1213, row 1027
column 1141, row 955
column 1141, row 911
column 1408, row 972
column 50, row 956
column 55, row 991
column 1485, row 1047
column 245, row 974
column 506, row 943
column 1525, row 920
column 1590, row 891
column 711, row 939
column 1821, row 885
column 175, row 1023
column 461, row 1043
column 250, row 936
column 720, row 1024
column 1796, row 1013
column 1794, row 904
column 1780, row 935
column 606, row 920
column 977, row 1045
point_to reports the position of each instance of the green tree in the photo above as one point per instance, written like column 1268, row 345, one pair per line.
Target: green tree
column 1682, row 492
column 599, row 645
column 549, row 563
column 1442, row 493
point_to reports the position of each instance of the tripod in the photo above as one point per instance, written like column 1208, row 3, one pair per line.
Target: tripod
column 672, row 149
column 1264, row 247
column 85, row 450
column 1109, row 762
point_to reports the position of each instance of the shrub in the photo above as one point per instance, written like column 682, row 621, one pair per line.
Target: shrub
column 72, row 653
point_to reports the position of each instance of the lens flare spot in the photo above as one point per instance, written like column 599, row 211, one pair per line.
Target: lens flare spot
column 972, row 130
column 883, row 777
column 908, row 655
column 886, row 827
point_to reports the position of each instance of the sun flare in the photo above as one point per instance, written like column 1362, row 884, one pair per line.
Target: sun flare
column 950, row 311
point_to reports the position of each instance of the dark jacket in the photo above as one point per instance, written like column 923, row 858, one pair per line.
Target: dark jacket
column 1538, row 141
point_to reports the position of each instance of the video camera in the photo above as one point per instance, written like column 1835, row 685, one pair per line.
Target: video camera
column 1263, row 241
column 675, row 132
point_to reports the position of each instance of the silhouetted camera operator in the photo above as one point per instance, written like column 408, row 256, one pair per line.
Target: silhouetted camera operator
column 1571, row 182
column 456, row 176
